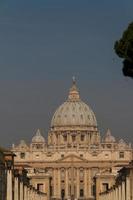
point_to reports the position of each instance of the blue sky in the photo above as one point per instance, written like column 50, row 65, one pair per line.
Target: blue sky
column 43, row 44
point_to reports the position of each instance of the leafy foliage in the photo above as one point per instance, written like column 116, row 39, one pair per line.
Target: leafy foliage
column 124, row 49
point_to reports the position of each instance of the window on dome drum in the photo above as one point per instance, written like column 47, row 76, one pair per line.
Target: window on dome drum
column 37, row 146
column 22, row 155
column 65, row 138
column 73, row 138
column 108, row 146
column 82, row 138
column 121, row 154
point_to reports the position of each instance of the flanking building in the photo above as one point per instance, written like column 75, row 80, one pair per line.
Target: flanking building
column 14, row 182
column 123, row 187
column 2, row 175
column 68, row 163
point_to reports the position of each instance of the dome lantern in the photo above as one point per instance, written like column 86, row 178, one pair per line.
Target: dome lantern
column 74, row 93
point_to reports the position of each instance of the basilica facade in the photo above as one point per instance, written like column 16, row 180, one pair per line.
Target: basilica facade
column 75, row 162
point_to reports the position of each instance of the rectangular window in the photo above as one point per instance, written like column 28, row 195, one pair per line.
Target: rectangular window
column 62, row 193
column 121, row 154
column 81, row 192
column 105, row 187
column 40, row 187
column 22, row 155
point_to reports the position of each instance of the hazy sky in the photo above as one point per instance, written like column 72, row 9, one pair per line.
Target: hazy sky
column 43, row 44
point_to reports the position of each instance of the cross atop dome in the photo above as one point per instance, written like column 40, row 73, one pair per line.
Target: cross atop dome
column 74, row 80
column 73, row 93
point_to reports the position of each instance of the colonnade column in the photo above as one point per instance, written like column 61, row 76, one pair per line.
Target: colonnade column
column 21, row 190
column 123, row 190
column 16, row 191
column 25, row 192
column 9, row 184
column 127, row 188
column 28, row 193
column 119, row 192
column 116, row 193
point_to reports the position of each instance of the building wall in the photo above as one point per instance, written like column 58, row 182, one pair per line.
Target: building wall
column 70, row 171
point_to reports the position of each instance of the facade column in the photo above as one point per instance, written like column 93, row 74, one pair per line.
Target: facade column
column 9, row 185
column 78, row 186
column 98, row 187
column 85, row 183
column 59, row 184
column 89, row 183
column 66, row 183
column 16, row 191
column 54, row 183
column 127, row 188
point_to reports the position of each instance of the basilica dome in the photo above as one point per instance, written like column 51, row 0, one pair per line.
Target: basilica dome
column 74, row 112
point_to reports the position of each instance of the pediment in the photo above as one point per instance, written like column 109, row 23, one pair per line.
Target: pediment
column 72, row 158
